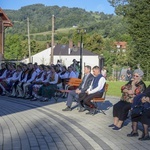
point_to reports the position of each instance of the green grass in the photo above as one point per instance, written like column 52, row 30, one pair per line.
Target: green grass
column 61, row 30
column 115, row 86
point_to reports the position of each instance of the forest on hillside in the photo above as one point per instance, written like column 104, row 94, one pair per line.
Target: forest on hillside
column 108, row 25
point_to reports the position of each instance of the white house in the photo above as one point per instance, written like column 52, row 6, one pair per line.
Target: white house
column 65, row 54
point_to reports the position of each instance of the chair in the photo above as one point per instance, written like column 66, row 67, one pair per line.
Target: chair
column 100, row 99
column 72, row 84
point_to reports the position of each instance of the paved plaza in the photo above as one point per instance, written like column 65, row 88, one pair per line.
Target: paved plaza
column 28, row 125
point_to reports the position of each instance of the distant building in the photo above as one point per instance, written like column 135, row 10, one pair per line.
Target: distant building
column 121, row 46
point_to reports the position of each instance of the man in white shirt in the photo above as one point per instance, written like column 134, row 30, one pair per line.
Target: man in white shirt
column 96, row 89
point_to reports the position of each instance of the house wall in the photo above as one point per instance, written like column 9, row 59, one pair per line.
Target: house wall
column 41, row 58
column 86, row 60
column 44, row 58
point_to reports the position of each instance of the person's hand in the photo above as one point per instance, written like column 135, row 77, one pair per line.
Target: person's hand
column 87, row 92
column 78, row 91
column 125, row 91
column 145, row 99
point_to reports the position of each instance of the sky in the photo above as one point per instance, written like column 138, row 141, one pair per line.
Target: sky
column 88, row 5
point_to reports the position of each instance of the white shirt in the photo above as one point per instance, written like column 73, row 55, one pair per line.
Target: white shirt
column 72, row 74
column 3, row 75
column 101, row 84
column 15, row 76
column 64, row 76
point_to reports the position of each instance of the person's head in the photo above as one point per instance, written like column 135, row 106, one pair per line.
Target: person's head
column 137, row 74
column 87, row 69
column 30, row 66
column 19, row 68
column 74, row 61
column 96, row 71
column 53, row 69
column 35, row 65
column 47, row 68
column 3, row 65
column 64, row 68
column 25, row 67
column 41, row 67
column 70, row 69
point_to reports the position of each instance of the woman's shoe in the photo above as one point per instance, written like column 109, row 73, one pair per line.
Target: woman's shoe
column 44, row 100
column 147, row 137
column 3, row 94
column 112, row 125
column 117, row 128
column 141, row 136
column 133, row 134
column 34, row 99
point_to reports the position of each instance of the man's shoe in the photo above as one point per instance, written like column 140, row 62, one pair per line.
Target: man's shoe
column 44, row 100
column 34, row 99
column 19, row 96
column 82, row 109
column 3, row 94
column 88, row 113
column 147, row 137
column 112, row 125
column 133, row 134
column 116, row 128
column 92, row 112
column 67, row 109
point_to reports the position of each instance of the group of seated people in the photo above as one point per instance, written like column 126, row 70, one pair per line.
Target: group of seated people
column 40, row 82
column 32, row 80
column 133, row 93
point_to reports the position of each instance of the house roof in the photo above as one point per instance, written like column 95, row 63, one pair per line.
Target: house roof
column 5, row 19
column 64, row 50
column 122, row 45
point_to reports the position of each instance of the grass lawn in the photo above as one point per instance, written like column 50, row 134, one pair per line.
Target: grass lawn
column 114, row 87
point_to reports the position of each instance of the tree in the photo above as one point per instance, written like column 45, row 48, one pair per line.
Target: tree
column 136, row 14
column 13, row 47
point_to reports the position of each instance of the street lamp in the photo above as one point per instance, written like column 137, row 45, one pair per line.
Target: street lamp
column 80, row 31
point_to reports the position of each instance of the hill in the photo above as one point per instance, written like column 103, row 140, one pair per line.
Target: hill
column 40, row 19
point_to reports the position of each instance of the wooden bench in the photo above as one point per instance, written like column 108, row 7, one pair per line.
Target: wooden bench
column 72, row 84
column 100, row 99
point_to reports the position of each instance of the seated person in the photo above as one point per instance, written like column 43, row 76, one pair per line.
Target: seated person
column 49, row 87
column 7, row 84
column 37, row 83
column 144, row 99
column 96, row 89
column 129, row 91
column 70, row 74
column 87, row 79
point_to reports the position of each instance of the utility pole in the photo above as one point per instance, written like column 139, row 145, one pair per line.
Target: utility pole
column 29, row 49
column 52, row 42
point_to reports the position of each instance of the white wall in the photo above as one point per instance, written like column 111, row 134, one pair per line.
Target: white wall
column 44, row 58
column 41, row 57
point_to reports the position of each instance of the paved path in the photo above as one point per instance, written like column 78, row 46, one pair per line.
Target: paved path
column 26, row 125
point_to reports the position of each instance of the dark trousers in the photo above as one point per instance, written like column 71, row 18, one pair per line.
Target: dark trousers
column 87, row 98
column 121, row 110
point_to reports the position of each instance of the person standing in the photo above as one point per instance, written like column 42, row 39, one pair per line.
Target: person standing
column 129, row 74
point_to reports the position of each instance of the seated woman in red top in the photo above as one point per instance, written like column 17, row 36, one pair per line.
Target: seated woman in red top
column 129, row 91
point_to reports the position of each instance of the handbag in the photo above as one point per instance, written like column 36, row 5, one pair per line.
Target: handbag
column 137, row 111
